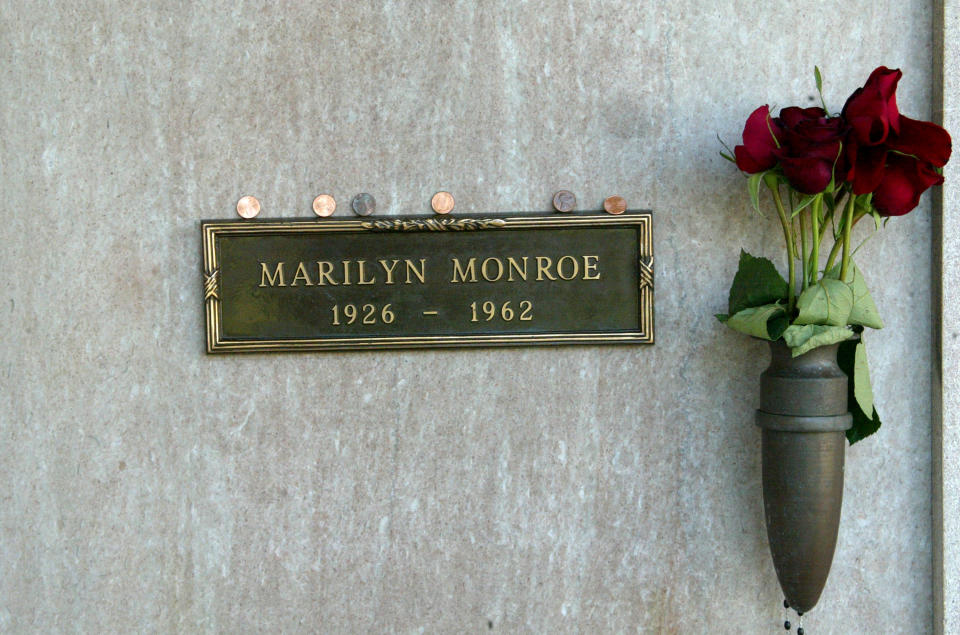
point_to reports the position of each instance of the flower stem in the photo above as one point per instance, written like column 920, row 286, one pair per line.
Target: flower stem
column 827, row 218
column 835, row 251
column 791, row 249
column 847, row 225
column 815, row 210
column 803, row 250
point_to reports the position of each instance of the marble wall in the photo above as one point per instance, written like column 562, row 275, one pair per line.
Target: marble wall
column 149, row 487
column 946, row 367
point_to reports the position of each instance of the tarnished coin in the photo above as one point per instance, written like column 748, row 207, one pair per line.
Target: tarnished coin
column 363, row 204
column 564, row 201
column 324, row 205
column 614, row 205
column 442, row 202
column 248, row 207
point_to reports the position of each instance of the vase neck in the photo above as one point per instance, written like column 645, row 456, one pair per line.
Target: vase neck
column 819, row 362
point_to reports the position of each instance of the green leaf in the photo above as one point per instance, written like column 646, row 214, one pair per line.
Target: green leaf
column 819, row 80
column 804, row 338
column 848, row 357
column 862, row 390
column 829, row 201
column 863, row 426
column 723, row 317
column 827, row 302
column 753, row 187
column 766, row 322
column 730, row 153
column 804, row 201
column 833, row 169
column 757, row 283
column 864, row 311
column 728, row 157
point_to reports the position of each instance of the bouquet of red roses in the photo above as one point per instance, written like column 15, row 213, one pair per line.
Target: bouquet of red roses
column 825, row 172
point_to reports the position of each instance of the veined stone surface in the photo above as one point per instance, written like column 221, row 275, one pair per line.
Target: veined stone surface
column 148, row 487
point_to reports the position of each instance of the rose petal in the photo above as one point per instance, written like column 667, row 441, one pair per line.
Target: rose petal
column 867, row 171
column 904, row 181
column 872, row 110
column 809, row 175
column 886, row 81
column 793, row 115
column 798, row 145
column 870, row 128
column 747, row 163
column 759, row 141
column 926, row 141
column 821, row 130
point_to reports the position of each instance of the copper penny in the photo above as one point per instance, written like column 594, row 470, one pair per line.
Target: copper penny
column 614, row 205
column 324, row 205
column 363, row 204
column 442, row 202
column 564, row 201
column 248, row 207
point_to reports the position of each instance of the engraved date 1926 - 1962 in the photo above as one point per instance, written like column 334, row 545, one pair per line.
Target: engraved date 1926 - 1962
column 485, row 311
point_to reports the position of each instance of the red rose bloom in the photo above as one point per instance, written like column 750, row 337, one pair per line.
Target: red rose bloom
column 809, row 148
column 878, row 140
column 760, row 138
column 869, row 149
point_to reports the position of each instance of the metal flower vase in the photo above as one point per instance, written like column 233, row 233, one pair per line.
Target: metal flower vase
column 803, row 415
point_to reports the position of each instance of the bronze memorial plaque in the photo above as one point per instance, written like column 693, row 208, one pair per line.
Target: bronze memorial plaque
column 421, row 282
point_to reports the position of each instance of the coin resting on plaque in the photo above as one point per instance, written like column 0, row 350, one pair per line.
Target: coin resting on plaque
column 564, row 201
column 248, row 207
column 363, row 204
column 615, row 205
column 442, row 202
column 324, row 205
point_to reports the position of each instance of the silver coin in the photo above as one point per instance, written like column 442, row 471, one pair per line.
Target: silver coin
column 564, row 201
column 363, row 204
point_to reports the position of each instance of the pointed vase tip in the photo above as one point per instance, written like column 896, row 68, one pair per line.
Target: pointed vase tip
column 802, row 499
